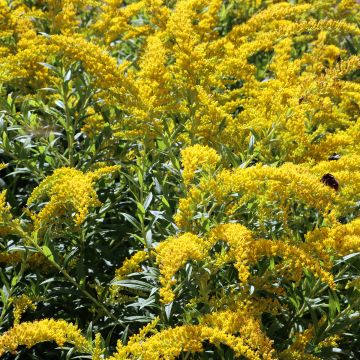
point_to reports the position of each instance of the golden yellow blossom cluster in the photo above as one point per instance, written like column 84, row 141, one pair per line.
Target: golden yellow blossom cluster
column 170, row 343
column 172, row 254
column 206, row 80
column 238, row 328
column 34, row 261
column 93, row 123
column 131, row 265
column 32, row 333
column 20, row 56
column 8, row 225
column 244, row 251
column 68, row 190
column 233, row 189
column 97, row 351
column 339, row 239
column 298, row 349
column 5, row 215
column 195, row 158
column 21, row 305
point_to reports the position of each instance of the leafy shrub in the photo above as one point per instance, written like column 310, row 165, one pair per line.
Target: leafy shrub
column 180, row 179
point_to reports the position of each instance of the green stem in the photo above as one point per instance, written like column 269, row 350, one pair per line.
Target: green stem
column 69, row 128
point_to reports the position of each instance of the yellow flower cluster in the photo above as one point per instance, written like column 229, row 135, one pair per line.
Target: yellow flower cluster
column 339, row 239
column 189, row 71
column 172, row 254
column 131, row 265
column 115, row 22
column 297, row 259
column 4, row 208
column 269, row 185
column 32, row 333
column 93, row 124
column 170, row 343
column 239, row 328
column 242, row 319
column 70, row 193
column 196, row 158
column 277, row 186
column 297, row 350
column 346, row 171
column 244, row 251
column 21, row 305
column 95, row 59
column 97, row 351
column 239, row 240
column 63, row 15
column 21, row 55
column 8, row 225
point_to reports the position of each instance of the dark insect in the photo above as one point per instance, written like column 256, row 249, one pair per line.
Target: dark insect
column 334, row 156
column 330, row 180
column 301, row 99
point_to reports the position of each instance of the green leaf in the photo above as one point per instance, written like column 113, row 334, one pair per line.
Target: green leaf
column 134, row 284
column 148, row 200
column 47, row 252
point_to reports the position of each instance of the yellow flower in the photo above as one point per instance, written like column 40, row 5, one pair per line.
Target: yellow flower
column 339, row 239
column 21, row 305
column 93, row 124
column 8, row 225
column 172, row 254
column 96, row 60
column 270, row 185
column 97, row 351
column 131, row 265
column 297, row 350
column 32, row 333
column 68, row 190
column 169, row 343
column 198, row 157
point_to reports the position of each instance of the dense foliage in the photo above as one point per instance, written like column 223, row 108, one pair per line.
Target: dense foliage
column 180, row 179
